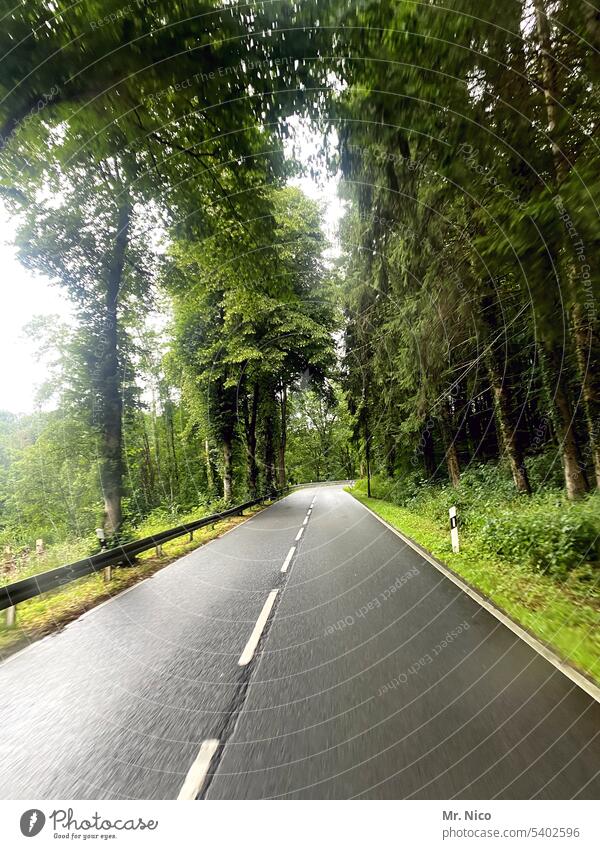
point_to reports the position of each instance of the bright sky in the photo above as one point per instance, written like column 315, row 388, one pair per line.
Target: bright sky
column 27, row 295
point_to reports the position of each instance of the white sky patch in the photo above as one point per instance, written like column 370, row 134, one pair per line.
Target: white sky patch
column 303, row 146
column 24, row 296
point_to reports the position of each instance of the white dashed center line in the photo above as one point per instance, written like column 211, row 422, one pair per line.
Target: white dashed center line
column 287, row 560
column 305, row 520
column 299, row 534
column 252, row 643
column 194, row 780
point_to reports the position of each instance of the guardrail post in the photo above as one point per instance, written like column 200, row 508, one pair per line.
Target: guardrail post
column 159, row 550
column 191, row 536
column 11, row 616
column 107, row 574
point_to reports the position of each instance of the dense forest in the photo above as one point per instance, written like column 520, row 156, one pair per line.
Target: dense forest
column 221, row 348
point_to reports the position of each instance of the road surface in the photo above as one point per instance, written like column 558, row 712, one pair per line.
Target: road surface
column 367, row 674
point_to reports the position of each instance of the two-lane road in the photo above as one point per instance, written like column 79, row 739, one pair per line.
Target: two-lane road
column 347, row 667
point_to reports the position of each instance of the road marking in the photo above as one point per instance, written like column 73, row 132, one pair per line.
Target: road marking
column 194, row 780
column 252, row 643
column 305, row 520
column 558, row 662
column 287, row 560
column 299, row 534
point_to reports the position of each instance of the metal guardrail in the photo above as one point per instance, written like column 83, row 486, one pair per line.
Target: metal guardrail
column 19, row 591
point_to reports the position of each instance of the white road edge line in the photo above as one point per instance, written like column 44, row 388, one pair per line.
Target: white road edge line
column 299, row 534
column 571, row 673
column 194, row 780
column 287, row 560
column 252, row 643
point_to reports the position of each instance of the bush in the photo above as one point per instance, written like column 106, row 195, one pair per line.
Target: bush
column 550, row 534
column 545, row 531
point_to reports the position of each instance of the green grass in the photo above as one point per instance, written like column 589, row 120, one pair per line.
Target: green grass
column 51, row 611
column 565, row 615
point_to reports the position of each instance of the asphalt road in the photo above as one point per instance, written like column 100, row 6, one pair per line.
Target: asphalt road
column 374, row 677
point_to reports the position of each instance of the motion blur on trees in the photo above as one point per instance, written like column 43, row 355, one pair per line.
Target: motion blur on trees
column 222, row 347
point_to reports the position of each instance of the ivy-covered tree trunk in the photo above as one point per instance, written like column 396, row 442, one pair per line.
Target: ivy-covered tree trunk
column 281, row 473
column 227, row 465
column 250, row 418
column 507, row 428
column 584, row 331
column 575, row 478
column 109, row 383
column 587, row 337
column 504, row 407
column 210, row 472
column 269, row 454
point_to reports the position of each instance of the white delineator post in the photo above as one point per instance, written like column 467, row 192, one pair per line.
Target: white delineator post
column 454, row 530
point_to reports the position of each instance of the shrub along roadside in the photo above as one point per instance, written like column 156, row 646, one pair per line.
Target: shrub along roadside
column 561, row 608
column 51, row 611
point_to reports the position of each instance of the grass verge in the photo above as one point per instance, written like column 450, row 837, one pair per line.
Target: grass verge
column 51, row 611
column 566, row 615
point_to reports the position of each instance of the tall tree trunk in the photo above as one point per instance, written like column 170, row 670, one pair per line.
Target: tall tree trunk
column 448, row 435
column 587, row 345
column 148, row 468
column 575, row 478
column 227, row 466
column 281, row 474
column 270, row 454
column 368, row 453
column 583, row 328
column 250, row 418
column 428, row 455
column 210, row 472
column 111, row 403
column 503, row 403
column 171, row 433
column 507, row 427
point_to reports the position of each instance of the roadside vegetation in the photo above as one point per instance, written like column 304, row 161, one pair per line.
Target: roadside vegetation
column 49, row 612
column 538, row 559
column 218, row 348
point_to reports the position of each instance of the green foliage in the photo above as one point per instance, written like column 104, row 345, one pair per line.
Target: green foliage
column 550, row 534
column 546, row 532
